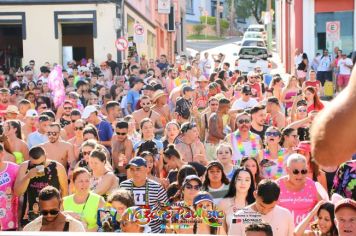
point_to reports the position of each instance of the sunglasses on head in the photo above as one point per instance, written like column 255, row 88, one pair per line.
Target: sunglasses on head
column 303, row 171
column 246, row 121
column 273, row 134
column 52, row 133
column 52, row 212
column 79, row 128
column 190, row 186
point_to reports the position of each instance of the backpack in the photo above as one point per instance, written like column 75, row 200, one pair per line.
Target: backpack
column 328, row 89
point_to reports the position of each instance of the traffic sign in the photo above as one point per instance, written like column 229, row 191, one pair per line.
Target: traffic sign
column 121, row 44
column 164, row 6
column 139, row 30
column 333, row 31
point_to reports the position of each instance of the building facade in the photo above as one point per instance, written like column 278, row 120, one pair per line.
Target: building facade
column 195, row 9
column 44, row 30
column 302, row 24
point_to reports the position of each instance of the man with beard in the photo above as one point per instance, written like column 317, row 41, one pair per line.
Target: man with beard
column 258, row 126
column 147, row 112
column 256, row 89
column 56, row 149
column 216, row 128
column 122, row 148
column 4, row 101
column 113, row 112
column 243, row 141
column 160, row 106
column 52, row 218
column 65, row 119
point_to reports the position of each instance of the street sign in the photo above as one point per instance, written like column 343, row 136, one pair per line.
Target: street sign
column 139, row 36
column 164, row 6
column 332, row 31
column 121, row 44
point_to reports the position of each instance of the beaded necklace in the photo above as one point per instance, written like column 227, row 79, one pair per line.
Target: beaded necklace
column 240, row 146
column 280, row 164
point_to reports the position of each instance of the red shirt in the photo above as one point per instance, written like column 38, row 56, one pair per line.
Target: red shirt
column 256, row 90
column 316, row 84
column 3, row 108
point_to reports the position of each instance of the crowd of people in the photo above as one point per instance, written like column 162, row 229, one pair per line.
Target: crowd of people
column 191, row 147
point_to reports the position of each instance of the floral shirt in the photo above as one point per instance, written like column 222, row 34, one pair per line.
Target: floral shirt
column 345, row 180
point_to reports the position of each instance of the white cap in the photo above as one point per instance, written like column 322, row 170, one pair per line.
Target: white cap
column 251, row 73
column 31, row 113
column 88, row 110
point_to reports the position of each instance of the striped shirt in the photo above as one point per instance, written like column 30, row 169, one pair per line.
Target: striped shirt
column 218, row 193
column 156, row 197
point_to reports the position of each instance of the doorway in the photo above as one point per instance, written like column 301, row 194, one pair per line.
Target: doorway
column 11, row 47
column 79, row 36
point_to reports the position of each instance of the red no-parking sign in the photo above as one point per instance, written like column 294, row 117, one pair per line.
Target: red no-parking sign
column 333, row 31
column 121, row 44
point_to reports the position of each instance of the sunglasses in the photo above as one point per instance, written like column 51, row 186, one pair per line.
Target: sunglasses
column 86, row 153
column 52, row 133
column 273, row 134
column 79, row 128
column 303, row 171
column 246, row 121
column 302, row 110
column 195, row 187
column 122, row 134
column 52, row 212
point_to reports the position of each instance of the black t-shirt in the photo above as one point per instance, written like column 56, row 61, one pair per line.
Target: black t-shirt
column 172, row 175
column 112, row 65
column 260, row 133
column 303, row 134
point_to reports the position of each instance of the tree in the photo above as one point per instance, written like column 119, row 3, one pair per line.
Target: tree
column 247, row 8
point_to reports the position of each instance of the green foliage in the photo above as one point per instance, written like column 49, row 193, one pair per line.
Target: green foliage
column 211, row 20
column 224, row 24
column 198, row 29
column 247, row 8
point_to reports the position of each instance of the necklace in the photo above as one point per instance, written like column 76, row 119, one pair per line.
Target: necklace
column 280, row 164
column 240, row 146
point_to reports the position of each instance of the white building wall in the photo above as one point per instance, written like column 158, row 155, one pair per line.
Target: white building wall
column 309, row 28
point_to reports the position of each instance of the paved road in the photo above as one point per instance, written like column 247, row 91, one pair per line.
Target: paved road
column 202, row 46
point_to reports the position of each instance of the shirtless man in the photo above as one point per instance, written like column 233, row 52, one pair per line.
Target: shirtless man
column 216, row 128
column 160, row 106
column 24, row 105
column 204, row 119
column 30, row 124
column 56, row 149
column 189, row 145
column 147, row 112
column 275, row 116
column 122, row 148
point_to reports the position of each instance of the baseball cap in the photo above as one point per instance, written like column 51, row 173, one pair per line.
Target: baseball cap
column 148, row 87
column 187, row 126
column 12, row 109
column 88, row 110
column 202, row 197
column 44, row 69
column 137, row 162
column 31, row 113
column 251, row 74
column 347, row 202
column 303, row 146
column 246, row 89
column 215, row 163
column 158, row 94
column 192, row 177
column 4, row 90
column 187, row 88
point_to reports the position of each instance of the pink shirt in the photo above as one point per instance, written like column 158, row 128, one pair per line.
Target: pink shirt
column 298, row 203
column 8, row 200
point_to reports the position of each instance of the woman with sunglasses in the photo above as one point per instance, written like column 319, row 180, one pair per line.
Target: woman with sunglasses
column 190, row 188
column 14, row 143
column 83, row 205
column 273, row 156
column 239, row 195
column 102, row 181
column 299, row 194
column 251, row 163
column 85, row 149
column 78, row 138
column 215, row 181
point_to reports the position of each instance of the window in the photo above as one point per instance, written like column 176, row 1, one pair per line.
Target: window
column 189, row 7
column 346, row 30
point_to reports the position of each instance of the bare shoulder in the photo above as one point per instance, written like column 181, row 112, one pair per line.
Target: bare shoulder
column 65, row 144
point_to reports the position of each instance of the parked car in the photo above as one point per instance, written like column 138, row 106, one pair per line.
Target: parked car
column 253, row 42
column 252, row 35
column 251, row 56
column 258, row 28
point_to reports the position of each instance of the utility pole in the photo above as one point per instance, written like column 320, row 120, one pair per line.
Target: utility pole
column 218, row 18
column 232, row 11
column 269, row 25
